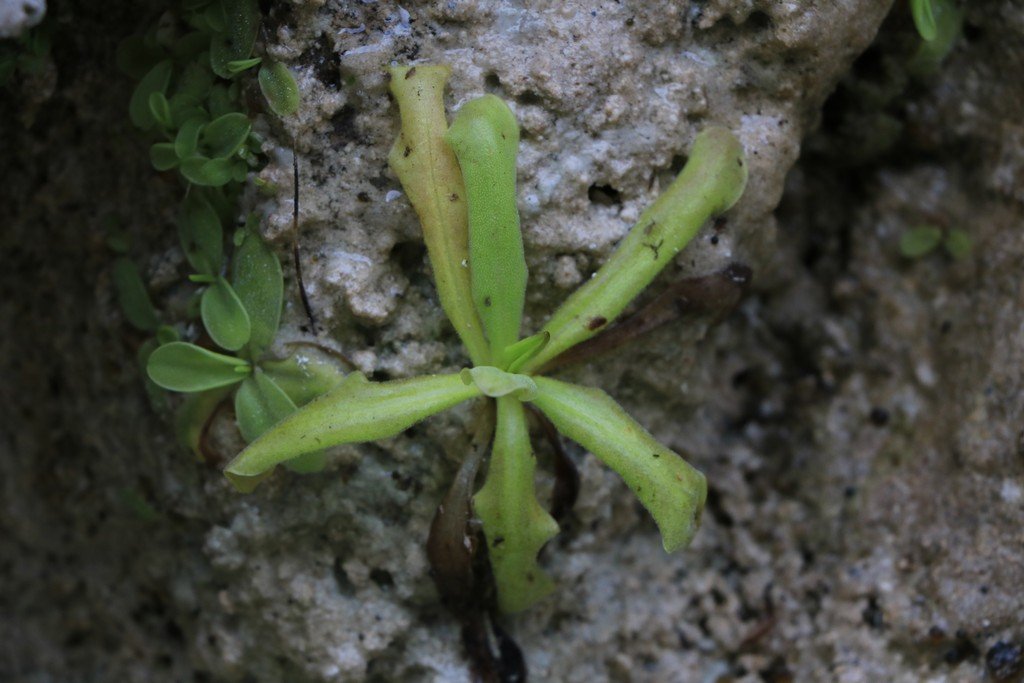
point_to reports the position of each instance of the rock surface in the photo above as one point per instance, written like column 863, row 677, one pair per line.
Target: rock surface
column 859, row 417
column 18, row 15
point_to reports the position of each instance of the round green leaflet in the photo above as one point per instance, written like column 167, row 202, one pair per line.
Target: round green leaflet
column 224, row 316
column 153, row 82
column 258, row 282
column 180, row 366
column 225, row 135
column 279, row 88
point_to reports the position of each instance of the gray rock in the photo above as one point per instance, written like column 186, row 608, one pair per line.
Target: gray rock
column 17, row 16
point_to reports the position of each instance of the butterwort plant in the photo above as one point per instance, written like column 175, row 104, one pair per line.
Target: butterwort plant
column 461, row 182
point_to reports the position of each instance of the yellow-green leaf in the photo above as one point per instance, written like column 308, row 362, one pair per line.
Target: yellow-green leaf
column 430, row 175
column 355, row 411
column 671, row 490
column 485, row 137
column 224, row 316
column 711, row 182
column 515, row 524
column 180, row 366
column 279, row 88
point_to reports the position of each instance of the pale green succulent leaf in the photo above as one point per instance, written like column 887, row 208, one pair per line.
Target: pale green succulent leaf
column 355, row 411
column 235, row 33
column 155, row 81
column 494, row 382
column 186, row 142
column 485, row 138
column 524, row 350
column 958, row 243
column 208, row 172
column 180, row 366
column 711, row 182
column 162, row 156
column 669, row 487
column 430, row 176
column 921, row 240
column 279, row 88
column 201, row 235
column 306, row 374
column 225, row 135
column 224, row 316
column 924, row 18
column 240, row 65
column 514, row 523
column 160, row 109
column 257, row 279
column 948, row 19
column 259, row 405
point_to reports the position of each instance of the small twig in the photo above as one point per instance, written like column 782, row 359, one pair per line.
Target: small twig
column 295, row 244
column 451, row 545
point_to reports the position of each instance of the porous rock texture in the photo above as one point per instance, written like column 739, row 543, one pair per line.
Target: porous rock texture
column 18, row 15
column 859, row 417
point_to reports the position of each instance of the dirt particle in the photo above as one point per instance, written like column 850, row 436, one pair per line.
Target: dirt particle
column 879, row 416
column 1005, row 662
column 873, row 615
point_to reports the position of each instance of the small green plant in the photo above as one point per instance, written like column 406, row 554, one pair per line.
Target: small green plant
column 939, row 23
column 242, row 316
column 924, row 239
column 189, row 68
column 461, row 182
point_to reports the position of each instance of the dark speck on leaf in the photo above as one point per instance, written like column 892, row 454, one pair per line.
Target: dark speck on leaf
column 655, row 455
column 409, row 74
column 407, row 152
column 453, row 197
column 597, row 322
column 498, row 540
column 487, row 301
